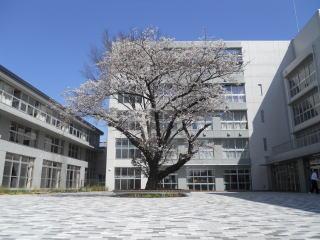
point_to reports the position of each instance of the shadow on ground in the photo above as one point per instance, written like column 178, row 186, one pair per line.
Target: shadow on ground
column 300, row 201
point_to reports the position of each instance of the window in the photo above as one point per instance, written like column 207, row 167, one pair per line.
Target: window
column 125, row 98
column 260, row 88
column 306, row 108
column 285, row 177
column 235, row 52
column 73, row 176
column 234, row 120
column 201, row 121
column 74, row 151
column 22, row 135
column 205, row 152
column 6, row 93
column 303, row 76
column 235, row 93
column 127, row 178
column 90, row 155
column 74, row 130
column 18, row 171
column 265, row 146
column 235, row 148
column 262, row 116
column 237, row 179
column 169, row 182
column 54, row 145
column 51, row 174
column 124, row 149
column 201, row 179
column 308, row 136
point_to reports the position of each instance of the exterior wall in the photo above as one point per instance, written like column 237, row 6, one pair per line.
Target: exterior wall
column 9, row 113
column 39, row 155
column 263, row 59
column 288, row 152
column 308, row 34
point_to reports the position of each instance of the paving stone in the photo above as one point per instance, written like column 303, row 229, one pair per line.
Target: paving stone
column 245, row 215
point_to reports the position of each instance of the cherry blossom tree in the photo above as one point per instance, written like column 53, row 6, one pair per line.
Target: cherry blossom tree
column 163, row 87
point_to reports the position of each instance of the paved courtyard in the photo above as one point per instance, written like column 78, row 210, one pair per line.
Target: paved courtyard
column 200, row 216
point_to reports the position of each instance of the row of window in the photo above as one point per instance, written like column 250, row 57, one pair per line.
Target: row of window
column 18, row 172
column 197, row 179
column 306, row 108
column 21, row 101
column 232, row 149
column 235, row 148
column 231, row 120
column 308, row 136
column 233, row 93
column 29, row 137
column 302, row 77
column 234, row 120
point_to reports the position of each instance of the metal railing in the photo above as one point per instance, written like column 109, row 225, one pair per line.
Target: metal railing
column 14, row 102
column 299, row 142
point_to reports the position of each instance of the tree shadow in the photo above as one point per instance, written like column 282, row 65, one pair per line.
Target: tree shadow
column 300, row 201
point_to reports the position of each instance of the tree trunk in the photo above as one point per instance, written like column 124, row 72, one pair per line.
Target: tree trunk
column 152, row 184
column 153, row 179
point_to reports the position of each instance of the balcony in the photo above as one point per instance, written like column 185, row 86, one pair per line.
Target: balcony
column 308, row 140
column 22, row 106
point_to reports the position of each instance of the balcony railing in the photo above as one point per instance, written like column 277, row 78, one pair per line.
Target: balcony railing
column 306, row 140
column 14, row 102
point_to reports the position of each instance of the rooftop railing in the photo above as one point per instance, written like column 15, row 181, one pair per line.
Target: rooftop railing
column 14, row 102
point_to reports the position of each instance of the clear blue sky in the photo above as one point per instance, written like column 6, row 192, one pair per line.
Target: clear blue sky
column 47, row 42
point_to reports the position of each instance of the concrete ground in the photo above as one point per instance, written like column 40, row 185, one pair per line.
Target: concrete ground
column 251, row 215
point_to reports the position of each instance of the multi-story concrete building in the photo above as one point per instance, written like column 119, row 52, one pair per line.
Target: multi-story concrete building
column 270, row 137
column 292, row 112
column 38, row 147
column 236, row 162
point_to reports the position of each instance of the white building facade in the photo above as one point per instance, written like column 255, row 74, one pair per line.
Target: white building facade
column 270, row 137
column 236, row 162
column 38, row 148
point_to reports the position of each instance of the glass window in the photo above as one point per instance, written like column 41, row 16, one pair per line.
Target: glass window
column 52, row 144
column 237, row 179
column 205, row 151
column 22, row 135
column 125, row 150
column 125, row 98
column 308, row 136
column 235, row 93
column 127, row 178
column 235, row 148
column 73, row 176
column 306, row 108
column 234, row 120
column 201, row 121
column 169, row 182
column 201, row 179
column 74, row 151
column 51, row 174
column 302, row 76
column 285, row 177
column 18, row 171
